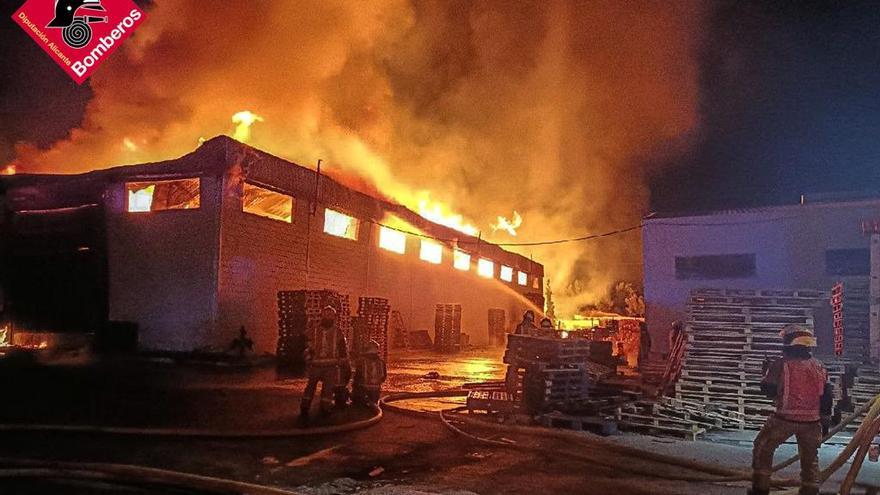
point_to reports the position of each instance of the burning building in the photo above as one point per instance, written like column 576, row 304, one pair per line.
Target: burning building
column 191, row 249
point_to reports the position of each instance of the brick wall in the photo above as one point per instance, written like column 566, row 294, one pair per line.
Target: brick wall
column 260, row 256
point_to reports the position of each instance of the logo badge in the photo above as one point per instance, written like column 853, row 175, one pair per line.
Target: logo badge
column 79, row 35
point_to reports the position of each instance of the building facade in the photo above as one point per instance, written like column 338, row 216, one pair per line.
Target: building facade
column 193, row 248
column 806, row 246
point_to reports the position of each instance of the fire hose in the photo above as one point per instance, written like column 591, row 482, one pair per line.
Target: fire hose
column 140, row 475
column 197, row 433
column 122, row 474
column 859, row 444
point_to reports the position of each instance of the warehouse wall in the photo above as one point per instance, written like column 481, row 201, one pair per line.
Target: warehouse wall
column 162, row 269
column 260, row 256
column 789, row 244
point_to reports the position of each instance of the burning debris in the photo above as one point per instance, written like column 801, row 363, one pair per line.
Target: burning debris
column 508, row 226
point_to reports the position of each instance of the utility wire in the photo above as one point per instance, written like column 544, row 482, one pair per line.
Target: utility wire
column 585, row 237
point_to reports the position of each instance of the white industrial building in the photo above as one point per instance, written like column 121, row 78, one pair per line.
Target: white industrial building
column 811, row 245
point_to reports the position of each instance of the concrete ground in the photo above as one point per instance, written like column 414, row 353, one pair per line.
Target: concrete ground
column 401, row 454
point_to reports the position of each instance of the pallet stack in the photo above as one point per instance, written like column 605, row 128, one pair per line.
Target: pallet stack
column 866, row 386
column 497, row 326
column 447, row 328
column 857, row 336
column 547, row 372
column 524, row 349
column 730, row 334
column 299, row 311
column 373, row 315
column 546, row 386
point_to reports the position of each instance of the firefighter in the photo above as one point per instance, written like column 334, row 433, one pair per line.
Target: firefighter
column 527, row 325
column 547, row 329
column 369, row 375
column 326, row 353
column 798, row 384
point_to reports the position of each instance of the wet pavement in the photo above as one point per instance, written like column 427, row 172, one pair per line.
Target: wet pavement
column 400, row 455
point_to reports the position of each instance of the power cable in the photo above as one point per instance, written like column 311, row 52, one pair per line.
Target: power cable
column 585, row 237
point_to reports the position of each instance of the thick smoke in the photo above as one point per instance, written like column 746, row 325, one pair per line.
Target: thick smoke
column 553, row 109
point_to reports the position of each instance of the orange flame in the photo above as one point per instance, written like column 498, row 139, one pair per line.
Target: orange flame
column 442, row 214
column 8, row 170
column 243, row 121
column 510, row 225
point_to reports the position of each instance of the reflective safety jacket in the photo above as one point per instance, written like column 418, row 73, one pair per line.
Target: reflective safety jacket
column 327, row 346
column 799, row 386
column 370, row 372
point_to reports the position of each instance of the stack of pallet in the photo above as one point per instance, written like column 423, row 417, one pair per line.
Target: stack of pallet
column 447, row 328
column 547, row 372
column 857, row 337
column 299, row 311
column 866, row 386
column 731, row 333
column 373, row 314
column 553, row 385
column 524, row 349
column 497, row 326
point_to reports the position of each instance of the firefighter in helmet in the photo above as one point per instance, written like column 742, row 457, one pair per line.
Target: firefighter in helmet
column 546, row 329
column 369, row 375
column 799, row 385
column 527, row 325
column 326, row 353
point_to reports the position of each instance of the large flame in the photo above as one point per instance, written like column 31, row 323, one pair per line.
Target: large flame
column 559, row 108
column 8, row 170
column 442, row 213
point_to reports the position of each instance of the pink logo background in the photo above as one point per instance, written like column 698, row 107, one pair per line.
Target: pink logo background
column 107, row 27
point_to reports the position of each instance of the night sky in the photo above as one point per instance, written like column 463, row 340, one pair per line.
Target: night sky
column 790, row 104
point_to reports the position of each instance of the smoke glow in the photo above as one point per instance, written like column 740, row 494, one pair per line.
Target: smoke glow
column 460, row 110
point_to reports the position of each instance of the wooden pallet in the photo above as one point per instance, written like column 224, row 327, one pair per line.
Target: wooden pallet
column 601, row 425
column 654, row 424
column 730, row 334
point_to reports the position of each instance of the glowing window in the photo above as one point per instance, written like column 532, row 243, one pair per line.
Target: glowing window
column 506, row 273
column 535, row 283
column 522, row 278
column 160, row 195
column 461, row 260
column 340, row 224
column 265, row 203
column 485, row 268
column 431, row 252
column 392, row 240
